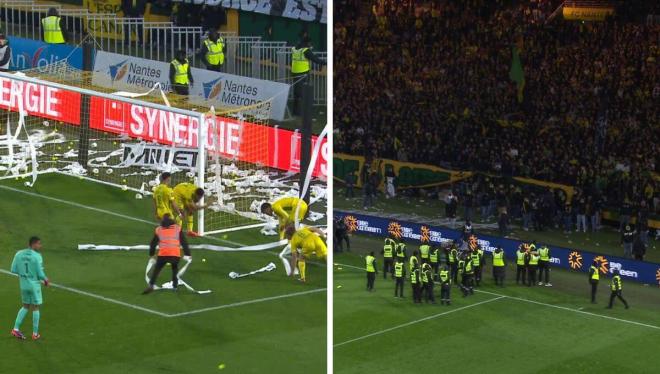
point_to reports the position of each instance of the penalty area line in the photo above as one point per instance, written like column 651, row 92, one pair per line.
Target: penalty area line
column 248, row 302
column 417, row 321
column 99, row 297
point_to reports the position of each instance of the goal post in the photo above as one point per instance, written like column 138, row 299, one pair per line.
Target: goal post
column 126, row 142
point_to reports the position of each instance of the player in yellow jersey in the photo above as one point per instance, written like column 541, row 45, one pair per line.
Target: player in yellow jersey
column 304, row 243
column 285, row 211
column 187, row 197
column 164, row 200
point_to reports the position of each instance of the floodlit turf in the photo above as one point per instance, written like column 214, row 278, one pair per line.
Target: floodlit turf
column 514, row 329
column 266, row 323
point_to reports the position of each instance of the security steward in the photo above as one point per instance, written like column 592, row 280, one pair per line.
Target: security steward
column 413, row 261
column 415, row 281
column 427, row 283
column 213, row 51
column 498, row 266
column 445, row 286
column 388, row 256
column 170, row 239
column 371, row 271
column 424, row 251
column 520, row 265
column 180, row 73
column 544, row 266
column 532, row 260
column 399, row 275
column 616, row 287
column 594, row 277
column 401, row 251
column 477, row 260
column 434, row 260
column 452, row 261
column 468, row 276
column 301, row 64
column 53, row 28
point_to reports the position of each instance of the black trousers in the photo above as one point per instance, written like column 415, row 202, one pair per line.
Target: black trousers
column 371, row 277
column 217, row 68
column 388, row 266
column 544, row 268
column 428, row 287
column 531, row 275
column 417, row 292
column 425, row 260
column 453, row 269
column 298, row 92
column 181, row 89
column 435, row 266
column 160, row 264
column 520, row 274
column 340, row 238
column 398, row 287
column 445, row 290
column 616, row 294
column 594, row 288
column 498, row 274
column 477, row 274
column 468, row 284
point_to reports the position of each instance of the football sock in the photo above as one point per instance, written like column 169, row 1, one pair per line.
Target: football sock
column 190, row 223
column 35, row 321
column 301, row 266
column 20, row 317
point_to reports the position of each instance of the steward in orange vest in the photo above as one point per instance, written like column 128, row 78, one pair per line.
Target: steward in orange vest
column 170, row 239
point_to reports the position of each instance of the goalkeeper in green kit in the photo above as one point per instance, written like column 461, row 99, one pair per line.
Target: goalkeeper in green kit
column 29, row 266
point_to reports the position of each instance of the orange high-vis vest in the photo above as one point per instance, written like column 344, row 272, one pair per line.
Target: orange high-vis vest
column 168, row 241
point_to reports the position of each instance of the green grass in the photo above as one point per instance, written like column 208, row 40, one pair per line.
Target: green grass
column 82, row 334
column 506, row 334
column 606, row 241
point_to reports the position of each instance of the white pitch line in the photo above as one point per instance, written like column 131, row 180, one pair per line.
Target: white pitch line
column 549, row 305
column 99, row 210
column 99, row 297
column 255, row 301
column 418, row 321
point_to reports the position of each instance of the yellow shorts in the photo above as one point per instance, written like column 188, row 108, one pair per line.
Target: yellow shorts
column 161, row 212
column 314, row 245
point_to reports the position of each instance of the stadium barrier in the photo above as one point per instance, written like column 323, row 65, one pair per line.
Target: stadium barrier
column 573, row 259
column 209, row 89
column 30, row 54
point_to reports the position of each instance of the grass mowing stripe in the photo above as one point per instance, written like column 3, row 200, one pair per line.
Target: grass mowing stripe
column 546, row 304
column 241, row 303
column 99, row 297
column 67, row 202
column 418, row 321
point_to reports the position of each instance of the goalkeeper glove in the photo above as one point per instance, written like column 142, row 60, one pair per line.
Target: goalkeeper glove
column 46, row 283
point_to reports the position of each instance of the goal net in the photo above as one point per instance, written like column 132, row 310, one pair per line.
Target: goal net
column 53, row 120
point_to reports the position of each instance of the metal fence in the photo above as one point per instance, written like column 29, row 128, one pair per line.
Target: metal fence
column 245, row 55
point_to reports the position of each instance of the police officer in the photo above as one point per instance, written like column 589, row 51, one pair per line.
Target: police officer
column 468, row 276
column 520, row 265
column 498, row 266
column 434, row 261
column 445, row 286
column 371, row 271
column 544, row 265
column 180, row 73
column 414, row 260
column 52, row 28
column 616, row 287
column 424, row 250
column 399, row 275
column 213, row 51
column 401, row 251
column 427, row 282
column 452, row 262
column 594, row 277
column 388, row 256
column 532, row 267
column 415, row 281
column 301, row 64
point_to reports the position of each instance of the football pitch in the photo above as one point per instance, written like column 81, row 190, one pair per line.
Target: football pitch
column 514, row 329
column 95, row 320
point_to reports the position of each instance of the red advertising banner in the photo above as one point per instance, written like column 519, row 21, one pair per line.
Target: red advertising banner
column 40, row 100
column 232, row 138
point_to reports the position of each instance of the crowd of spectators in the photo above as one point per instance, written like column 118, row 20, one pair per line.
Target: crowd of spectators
column 431, row 84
